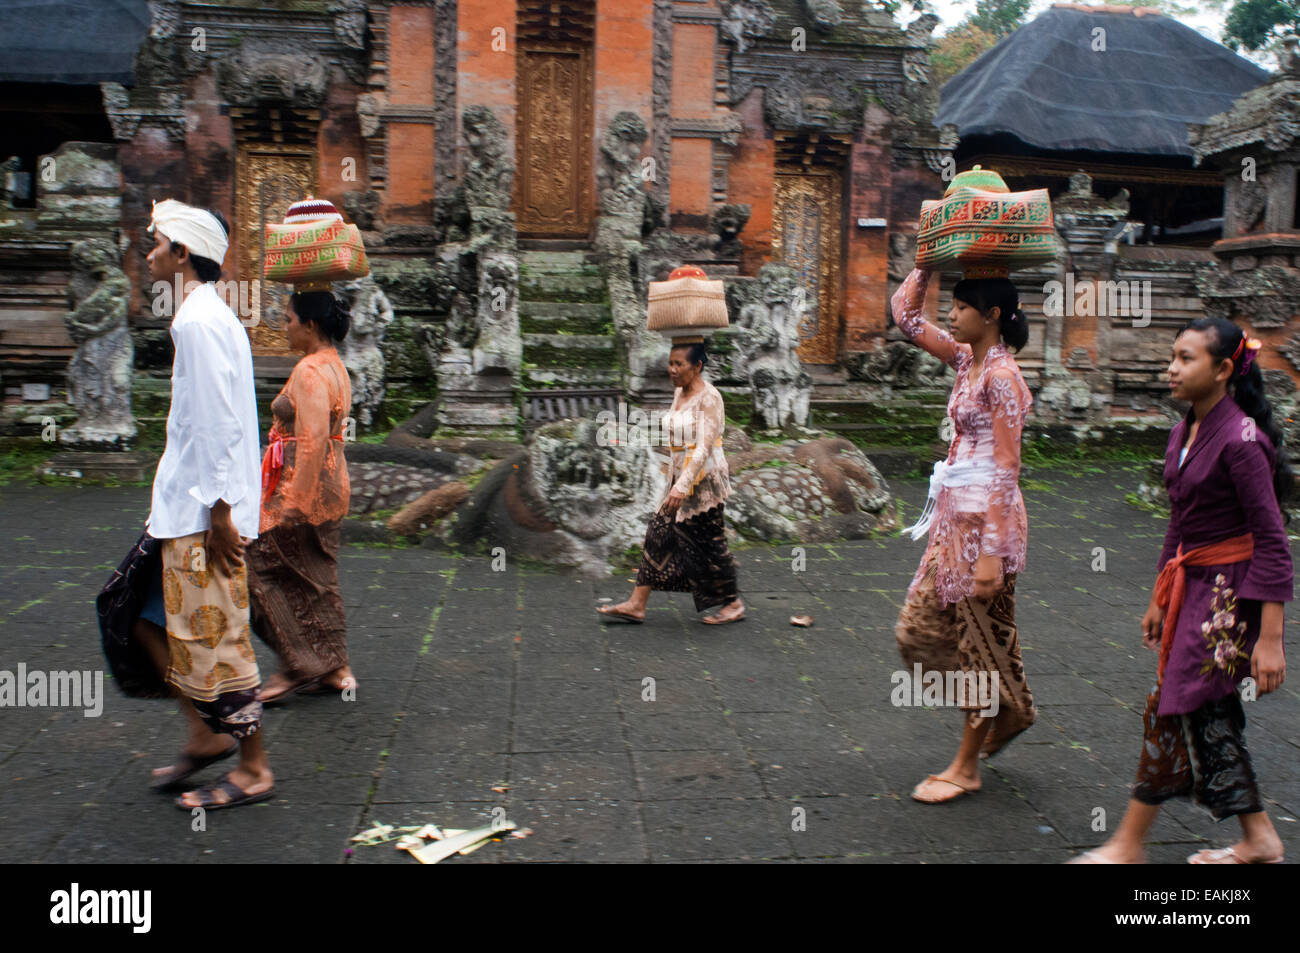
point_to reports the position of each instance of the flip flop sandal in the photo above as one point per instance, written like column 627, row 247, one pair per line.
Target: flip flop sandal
column 192, row 767
column 943, row 800
column 1226, row 855
column 620, row 616
column 232, row 790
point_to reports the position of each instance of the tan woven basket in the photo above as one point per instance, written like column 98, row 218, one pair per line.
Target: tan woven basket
column 686, row 305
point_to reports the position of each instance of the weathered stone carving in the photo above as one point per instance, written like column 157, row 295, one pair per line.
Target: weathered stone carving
column 766, row 336
column 350, row 23
column 99, row 374
column 728, row 221
column 261, row 72
column 363, row 208
column 822, row 98
column 619, row 231
column 371, row 314
column 498, row 348
column 1268, row 295
column 898, row 364
column 744, row 21
column 826, row 15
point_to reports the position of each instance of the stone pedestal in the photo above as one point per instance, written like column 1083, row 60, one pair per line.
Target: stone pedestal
column 100, row 467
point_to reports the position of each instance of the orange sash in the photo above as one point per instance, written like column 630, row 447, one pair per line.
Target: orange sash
column 273, row 462
column 1171, row 584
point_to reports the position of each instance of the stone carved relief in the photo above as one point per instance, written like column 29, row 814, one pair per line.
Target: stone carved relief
column 371, row 314
column 261, row 71
column 826, row 15
column 898, row 364
column 744, row 21
column 99, row 373
column 824, row 98
column 350, row 23
column 727, row 222
column 1268, row 296
column 766, row 337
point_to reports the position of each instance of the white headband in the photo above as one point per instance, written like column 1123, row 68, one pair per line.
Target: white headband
column 196, row 229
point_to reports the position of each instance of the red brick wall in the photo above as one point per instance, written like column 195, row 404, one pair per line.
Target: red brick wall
column 339, row 139
column 486, row 76
column 693, row 51
column 624, row 68
column 867, row 249
column 751, row 179
column 153, row 167
column 410, row 144
column 690, row 191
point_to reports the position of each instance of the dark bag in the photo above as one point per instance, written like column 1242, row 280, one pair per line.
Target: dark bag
column 118, row 606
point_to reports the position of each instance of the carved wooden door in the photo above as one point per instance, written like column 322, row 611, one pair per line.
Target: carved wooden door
column 267, row 183
column 806, row 236
column 554, row 141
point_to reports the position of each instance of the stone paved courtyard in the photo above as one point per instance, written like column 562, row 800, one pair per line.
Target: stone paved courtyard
column 482, row 689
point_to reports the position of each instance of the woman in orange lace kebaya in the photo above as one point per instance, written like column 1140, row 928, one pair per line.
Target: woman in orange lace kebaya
column 959, row 618
column 293, row 564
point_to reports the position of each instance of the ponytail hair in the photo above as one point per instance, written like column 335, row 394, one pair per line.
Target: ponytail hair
column 1223, row 338
column 325, row 310
column 985, row 294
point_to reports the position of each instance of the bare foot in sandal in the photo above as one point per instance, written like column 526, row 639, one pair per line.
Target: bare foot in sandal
column 940, row 790
column 732, row 612
column 210, row 796
column 629, row 609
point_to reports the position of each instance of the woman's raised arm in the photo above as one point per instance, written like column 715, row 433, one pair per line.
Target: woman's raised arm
column 908, row 306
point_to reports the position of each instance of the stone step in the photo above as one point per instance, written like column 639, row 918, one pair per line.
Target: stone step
column 597, row 322
column 602, row 342
column 579, row 288
column 558, row 262
column 552, row 310
column 529, row 245
column 541, row 377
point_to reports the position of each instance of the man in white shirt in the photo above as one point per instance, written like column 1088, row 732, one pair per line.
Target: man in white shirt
column 206, row 504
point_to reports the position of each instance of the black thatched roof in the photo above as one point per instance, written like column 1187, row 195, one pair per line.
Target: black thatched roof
column 1045, row 85
column 71, row 41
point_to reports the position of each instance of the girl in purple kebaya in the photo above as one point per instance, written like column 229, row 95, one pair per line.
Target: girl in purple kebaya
column 1215, row 615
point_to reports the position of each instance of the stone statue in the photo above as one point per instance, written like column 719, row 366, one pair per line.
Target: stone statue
column 619, row 232
column 826, row 15
column 99, row 374
column 360, row 351
column 766, row 337
column 622, row 187
column 498, row 348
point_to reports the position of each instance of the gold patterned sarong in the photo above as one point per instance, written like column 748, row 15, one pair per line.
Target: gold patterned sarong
column 208, row 636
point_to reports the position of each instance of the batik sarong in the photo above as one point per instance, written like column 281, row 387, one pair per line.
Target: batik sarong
column 296, row 605
column 690, row 555
column 208, row 637
column 1201, row 755
column 971, row 636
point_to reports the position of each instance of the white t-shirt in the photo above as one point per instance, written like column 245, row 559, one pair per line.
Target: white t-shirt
column 212, row 439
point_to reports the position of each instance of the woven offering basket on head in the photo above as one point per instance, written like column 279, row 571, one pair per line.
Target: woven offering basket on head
column 687, row 305
column 985, row 229
column 313, row 248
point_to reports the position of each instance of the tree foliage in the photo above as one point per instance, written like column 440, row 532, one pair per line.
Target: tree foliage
column 957, row 49
column 999, row 17
column 1256, row 24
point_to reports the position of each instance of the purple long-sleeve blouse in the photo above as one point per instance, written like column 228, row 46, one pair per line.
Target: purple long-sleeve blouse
column 1222, row 489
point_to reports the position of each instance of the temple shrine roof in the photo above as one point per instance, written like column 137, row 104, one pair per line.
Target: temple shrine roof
column 1047, row 86
column 71, row 41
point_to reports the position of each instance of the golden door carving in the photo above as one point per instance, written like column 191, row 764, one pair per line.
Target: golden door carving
column 554, row 142
column 267, row 182
column 806, row 236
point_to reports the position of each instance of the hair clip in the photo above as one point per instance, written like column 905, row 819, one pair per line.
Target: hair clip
column 1251, row 350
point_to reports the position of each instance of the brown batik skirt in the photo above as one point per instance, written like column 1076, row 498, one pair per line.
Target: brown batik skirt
column 970, row 636
column 690, row 555
column 293, row 582
column 1201, row 755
